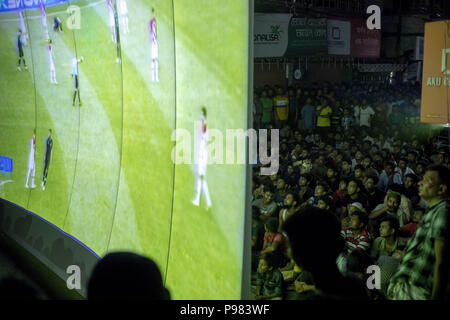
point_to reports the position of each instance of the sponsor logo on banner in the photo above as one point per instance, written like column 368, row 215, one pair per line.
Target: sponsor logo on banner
column 270, row 36
column 436, row 74
column 339, row 37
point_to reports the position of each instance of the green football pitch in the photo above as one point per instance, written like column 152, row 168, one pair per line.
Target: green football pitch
column 111, row 182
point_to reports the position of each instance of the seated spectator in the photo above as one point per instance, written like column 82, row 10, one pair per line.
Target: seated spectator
column 354, row 194
column 405, row 203
column 274, row 241
column 332, row 178
column 269, row 280
column 124, row 276
column 320, row 190
column 409, row 229
column 404, row 169
column 388, row 177
column 304, row 192
column 356, row 236
column 325, row 202
column 346, row 171
column 266, row 206
column 374, row 195
column 324, row 228
column 281, row 192
column 355, row 206
column 388, row 243
column 289, row 208
column 411, row 189
column 359, row 172
column 340, row 194
column 391, row 207
column 257, row 237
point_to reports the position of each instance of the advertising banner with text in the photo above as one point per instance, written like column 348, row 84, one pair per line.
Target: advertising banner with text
column 365, row 43
column 339, row 35
column 307, row 36
column 435, row 106
column 270, row 35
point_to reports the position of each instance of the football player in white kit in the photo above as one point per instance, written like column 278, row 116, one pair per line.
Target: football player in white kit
column 44, row 20
column 51, row 64
column 22, row 27
column 123, row 12
column 152, row 30
column 201, row 162
column 31, row 153
column 111, row 21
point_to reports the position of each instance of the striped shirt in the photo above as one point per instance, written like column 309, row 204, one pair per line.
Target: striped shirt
column 417, row 266
column 361, row 241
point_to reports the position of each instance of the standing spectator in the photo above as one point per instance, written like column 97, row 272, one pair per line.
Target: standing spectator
column 281, row 104
column 307, row 115
column 267, row 110
column 365, row 115
column 424, row 271
column 323, row 112
column 294, row 105
column 347, row 120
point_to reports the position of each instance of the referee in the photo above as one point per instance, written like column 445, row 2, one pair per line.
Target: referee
column 76, row 89
column 48, row 146
column 20, row 49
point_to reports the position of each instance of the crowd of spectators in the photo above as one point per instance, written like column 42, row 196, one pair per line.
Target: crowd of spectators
column 361, row 153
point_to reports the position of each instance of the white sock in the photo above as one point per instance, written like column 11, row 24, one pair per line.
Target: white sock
column 199, row 187
column 206, row 193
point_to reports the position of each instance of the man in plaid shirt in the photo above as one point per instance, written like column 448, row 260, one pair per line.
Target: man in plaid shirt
column 424, row 271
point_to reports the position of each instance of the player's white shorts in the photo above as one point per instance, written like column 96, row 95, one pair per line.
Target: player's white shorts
column 202, row 162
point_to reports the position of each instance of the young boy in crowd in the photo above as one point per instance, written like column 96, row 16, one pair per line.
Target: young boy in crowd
column 269, row 280
column 356, row 236
column 409, row 229
column 388, row 243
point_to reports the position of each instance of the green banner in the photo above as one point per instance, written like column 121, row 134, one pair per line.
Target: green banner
column 307, row 36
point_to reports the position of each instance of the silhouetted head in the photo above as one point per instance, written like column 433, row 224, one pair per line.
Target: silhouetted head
column 320, row 225
column 125, row 275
